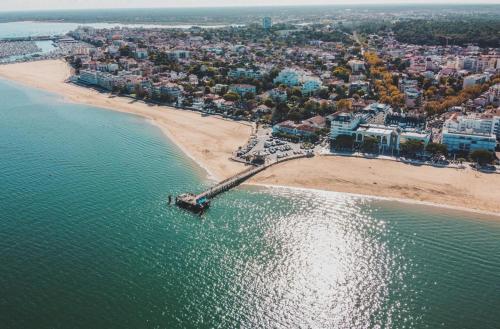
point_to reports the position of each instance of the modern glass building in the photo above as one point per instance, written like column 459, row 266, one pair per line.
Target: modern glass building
column 468, row 141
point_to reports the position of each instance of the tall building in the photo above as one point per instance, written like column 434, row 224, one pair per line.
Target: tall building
column 469, row 133
column 344, row 124
column 267, row 23
column 88, row 77
column 474, row 79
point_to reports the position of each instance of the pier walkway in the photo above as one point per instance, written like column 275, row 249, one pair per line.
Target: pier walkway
column 201, row 201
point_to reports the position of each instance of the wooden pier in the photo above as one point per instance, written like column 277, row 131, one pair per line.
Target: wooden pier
column 201, row 202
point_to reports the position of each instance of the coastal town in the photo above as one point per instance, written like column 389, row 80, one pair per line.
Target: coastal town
column 380, row 116
column 249, row 164
column 306, row 88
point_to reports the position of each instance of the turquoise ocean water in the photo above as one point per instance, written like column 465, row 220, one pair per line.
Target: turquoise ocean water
column 87, row 240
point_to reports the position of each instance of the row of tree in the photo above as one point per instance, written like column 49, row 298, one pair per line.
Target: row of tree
column 440, row 106
column 409, row 148
column 385, row 83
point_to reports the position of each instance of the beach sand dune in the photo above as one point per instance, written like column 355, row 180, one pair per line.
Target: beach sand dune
column 210, row 141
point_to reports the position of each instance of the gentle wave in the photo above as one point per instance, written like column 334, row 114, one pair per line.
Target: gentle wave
column 87, row 239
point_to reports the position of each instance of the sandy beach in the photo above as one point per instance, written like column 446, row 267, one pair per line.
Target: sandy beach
column 210, row 141
column 460, row 188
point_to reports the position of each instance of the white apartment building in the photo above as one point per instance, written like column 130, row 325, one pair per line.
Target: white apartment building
column 344, row 124
column 468, row 142
column 88, row 77
column 389, row 137
column 356, row 65
column 475, row 79
column 470, row 133
column 471, row 123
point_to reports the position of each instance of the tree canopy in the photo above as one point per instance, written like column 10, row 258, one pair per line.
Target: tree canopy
column 437, row 149
column 482, row 157
column 411, row 148
column 483, row 32
column 369, row 145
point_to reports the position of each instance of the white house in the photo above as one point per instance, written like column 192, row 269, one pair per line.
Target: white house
column 408, row 135
column 141, row 53
column 387, row 137
column 242, row 89
column 356, row 86
column 356, row 65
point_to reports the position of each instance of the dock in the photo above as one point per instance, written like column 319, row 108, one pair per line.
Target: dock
column 32, row 38
column 201, row 202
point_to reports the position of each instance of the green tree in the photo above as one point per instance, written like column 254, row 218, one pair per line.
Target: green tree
column 280, row 112
column 342, row 73
column 269, row 102
column 343, row 142
column 370, row 145
column 294, row 115
column 482, row 157
column 436, row 149
column 231, row 96
column 411, row 148
column 296, row 92
column 125, row 51
column 249, row 96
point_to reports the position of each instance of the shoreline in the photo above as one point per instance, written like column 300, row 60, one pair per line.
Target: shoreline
column 455, row 188
column 383, row 198
column 210, row 141
column 166, row 132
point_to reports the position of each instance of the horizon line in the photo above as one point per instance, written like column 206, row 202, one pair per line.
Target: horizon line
column 355, row 4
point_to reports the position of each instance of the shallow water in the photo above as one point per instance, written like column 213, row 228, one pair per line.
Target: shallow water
column 87, row 240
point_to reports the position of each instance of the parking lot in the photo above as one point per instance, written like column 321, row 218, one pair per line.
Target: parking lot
column 265, row 145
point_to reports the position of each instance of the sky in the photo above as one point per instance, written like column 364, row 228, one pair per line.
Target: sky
column 17, row 5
